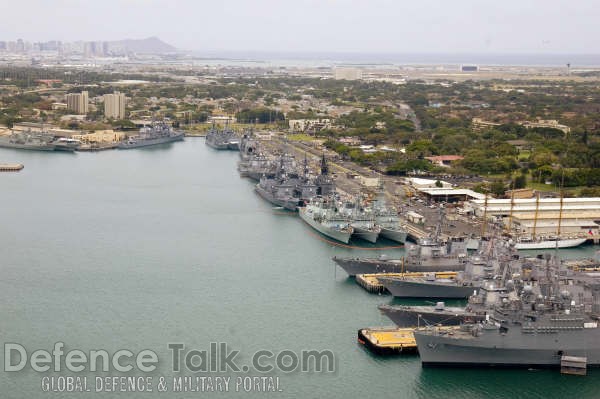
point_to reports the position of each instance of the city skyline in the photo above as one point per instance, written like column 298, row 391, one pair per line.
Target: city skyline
column 380, row 26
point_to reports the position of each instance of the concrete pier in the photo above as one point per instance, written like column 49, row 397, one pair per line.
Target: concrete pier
column 5, row 167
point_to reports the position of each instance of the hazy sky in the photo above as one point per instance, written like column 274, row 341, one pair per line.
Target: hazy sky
column 390, row 26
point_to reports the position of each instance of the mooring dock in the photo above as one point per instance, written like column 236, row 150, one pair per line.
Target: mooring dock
column 11, row 167
column 371, row 283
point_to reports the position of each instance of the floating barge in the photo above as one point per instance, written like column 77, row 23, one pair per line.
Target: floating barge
column 387, row 341
column 5, row 167
column 371, row 283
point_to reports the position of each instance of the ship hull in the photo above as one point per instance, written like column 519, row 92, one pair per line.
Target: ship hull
column 217, row 146
column 354, row 266
column 28, row 147
column 290, row 205
column 151, row 142
column 516, row 349
column 569, row 243
column 407, row 316
column 406, row 288
column 338, row 235
column 365, row 234
column 394, row 235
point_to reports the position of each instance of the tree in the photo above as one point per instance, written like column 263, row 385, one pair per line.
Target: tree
column 520, row 181
column 497, row 188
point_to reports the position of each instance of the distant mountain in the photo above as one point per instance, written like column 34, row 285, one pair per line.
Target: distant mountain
column 151, row 45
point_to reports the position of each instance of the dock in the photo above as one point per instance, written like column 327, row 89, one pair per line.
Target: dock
column 387, row 341
column 8, row 167
column 371, row 283
column 414, row 232
column 582, row 265
column 573, row 365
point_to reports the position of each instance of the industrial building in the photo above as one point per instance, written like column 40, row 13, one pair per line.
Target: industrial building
column 340, row 73
column 533, row 216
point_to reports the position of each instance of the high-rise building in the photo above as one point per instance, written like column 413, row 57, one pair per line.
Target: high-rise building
column 114, row 105
column 20, row 48
column 78, row 102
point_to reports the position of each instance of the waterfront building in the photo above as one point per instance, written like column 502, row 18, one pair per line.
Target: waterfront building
column 531, row 216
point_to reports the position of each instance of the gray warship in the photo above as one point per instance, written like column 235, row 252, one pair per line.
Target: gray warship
column 256, row 166
column 248, row 146
column 479, row 268
column 362, row 219
column 389, row 221
column 287, row 188
column 279, row 188
column 540, row 320
column 322, row 215
column 430, row 254
column 422, row 315
column 222, row 139
column 155, row 134
column 28, row 140
column 429, row 286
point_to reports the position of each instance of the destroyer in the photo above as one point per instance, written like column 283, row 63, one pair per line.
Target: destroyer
column 430, row 254
column 421, row 315
column 388, row 220
column 28, row 141
column 536, row 323
column 157, row 133
column 362, row 220
column 222, row 139
column 322, row 215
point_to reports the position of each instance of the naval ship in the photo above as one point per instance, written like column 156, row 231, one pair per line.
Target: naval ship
column 280, row 188
column 28, row 140
column 322, row 215
column 222, row 139
column 256, row 166
column 423, row 315
column 248, row 146
column 155, row 134
column 362, row 220
column 537, row 322
column 288, row 189
column 479, row 268
column 430, row 254
column 388, row 220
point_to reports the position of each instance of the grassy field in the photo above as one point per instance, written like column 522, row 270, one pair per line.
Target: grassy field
column 300, row 137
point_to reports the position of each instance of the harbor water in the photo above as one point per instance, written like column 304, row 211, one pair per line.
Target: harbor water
column 138, row 249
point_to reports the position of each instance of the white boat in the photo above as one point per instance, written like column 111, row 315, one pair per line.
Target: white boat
column 527, row 243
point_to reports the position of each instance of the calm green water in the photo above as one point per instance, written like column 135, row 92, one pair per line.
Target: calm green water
column 136, row 249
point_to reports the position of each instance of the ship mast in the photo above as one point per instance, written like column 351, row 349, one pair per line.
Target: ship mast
column 512, row 204
column 560, row 211
column 484, row 224
column 535, row 217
